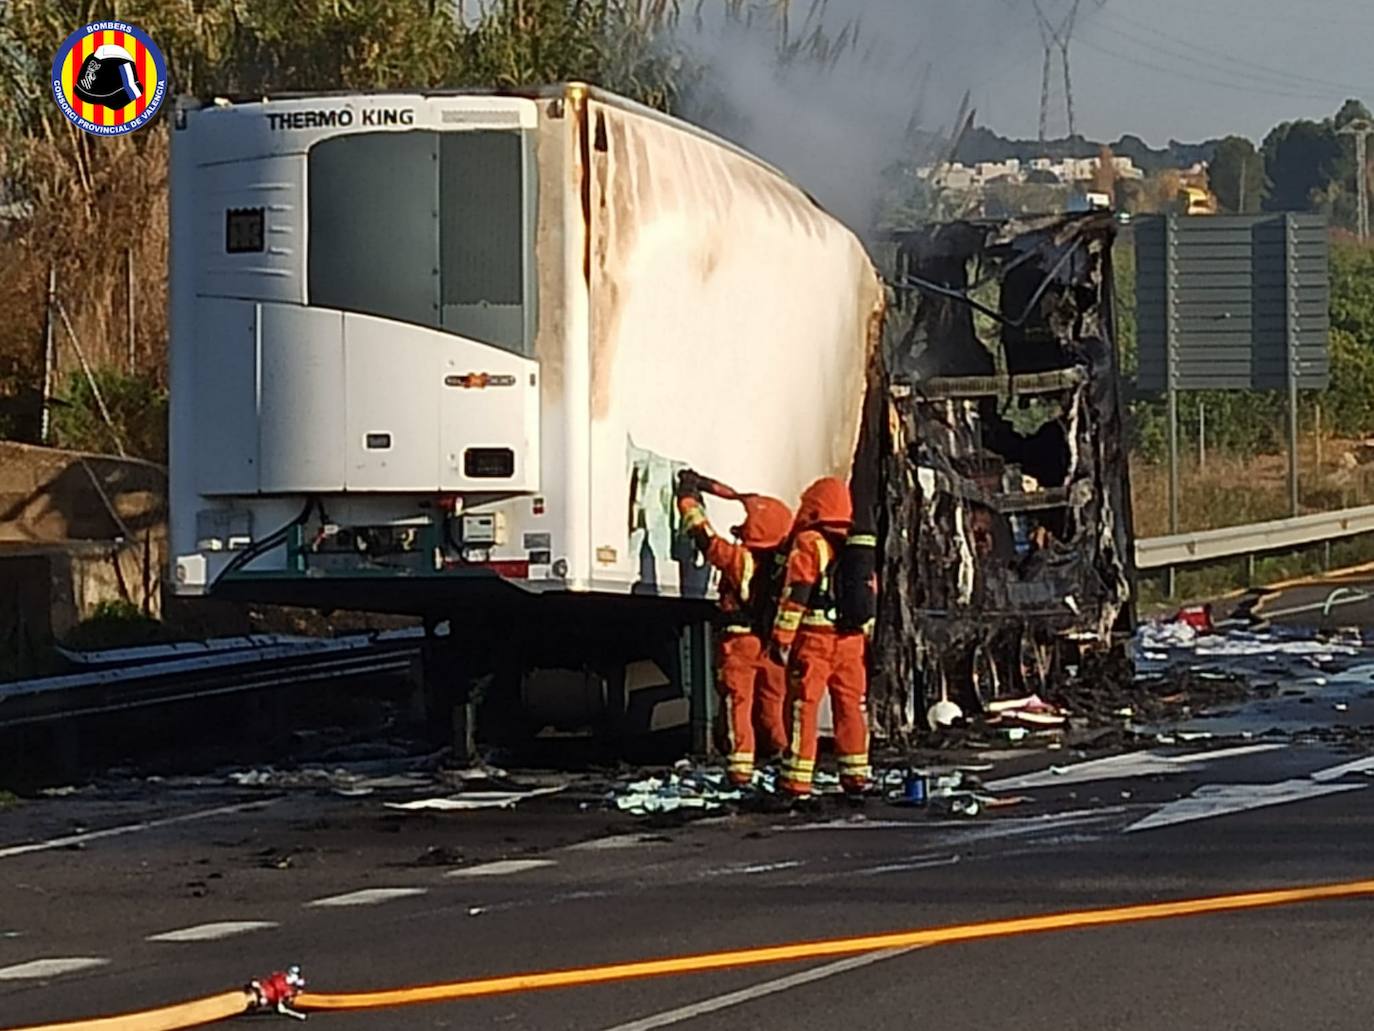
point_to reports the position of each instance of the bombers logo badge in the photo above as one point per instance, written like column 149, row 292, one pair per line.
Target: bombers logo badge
column 109, row 78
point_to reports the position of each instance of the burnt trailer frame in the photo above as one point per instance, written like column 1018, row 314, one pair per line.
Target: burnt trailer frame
column 1004, row 504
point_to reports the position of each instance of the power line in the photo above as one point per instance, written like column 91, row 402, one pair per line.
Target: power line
column 1244, row 67
column 1246, row 10
column 1240, row 87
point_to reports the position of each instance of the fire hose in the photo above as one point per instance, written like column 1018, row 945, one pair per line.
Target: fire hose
column 272, row 994
column 284, row 992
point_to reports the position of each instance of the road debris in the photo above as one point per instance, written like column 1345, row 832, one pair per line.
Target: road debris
column 339, row 781
column 683, row 787
column 947, row 792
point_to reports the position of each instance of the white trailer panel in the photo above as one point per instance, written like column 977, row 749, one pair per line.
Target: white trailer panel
column 506, row 321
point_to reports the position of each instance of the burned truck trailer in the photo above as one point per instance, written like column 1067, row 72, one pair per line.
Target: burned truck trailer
column 444, row 353
column 1005, row 503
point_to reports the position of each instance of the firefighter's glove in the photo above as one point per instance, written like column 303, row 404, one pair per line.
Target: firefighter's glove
column 690, row 484
column 692, row 513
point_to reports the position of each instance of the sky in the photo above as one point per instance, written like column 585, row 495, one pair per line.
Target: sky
column 1163, row 70
column 1177, row 69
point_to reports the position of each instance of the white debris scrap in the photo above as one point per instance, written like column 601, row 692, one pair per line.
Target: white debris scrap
column 468, row 800
column 700, row 788
column 340, row 781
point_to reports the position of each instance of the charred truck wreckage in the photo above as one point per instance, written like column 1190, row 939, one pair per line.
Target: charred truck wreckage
column 474, row 342
column 1004, row 505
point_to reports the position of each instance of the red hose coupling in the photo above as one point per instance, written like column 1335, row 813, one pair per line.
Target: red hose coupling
column 277, row 991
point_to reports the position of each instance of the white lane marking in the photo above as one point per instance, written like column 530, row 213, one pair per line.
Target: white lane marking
column 501, row 868
column 1212, row 800
column 1365, row 765
column 1325, row 606
column 617, row 841
column 212, row 932
column 37, row 968
column 368, row 897
column 745, row 869
column 128, row 828
column 975, row 830
column 758, row 991
column 1124, row 766
column 915, row 864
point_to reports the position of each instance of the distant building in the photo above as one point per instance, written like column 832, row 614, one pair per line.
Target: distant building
column 956, row 176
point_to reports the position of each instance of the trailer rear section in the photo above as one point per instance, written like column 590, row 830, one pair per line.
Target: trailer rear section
column 444, row 354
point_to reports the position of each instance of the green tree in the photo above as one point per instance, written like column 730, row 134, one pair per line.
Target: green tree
column 1236, row 175
column 90, row 201
column 1350, row 398
column 1351, row 111
column 1301, row 160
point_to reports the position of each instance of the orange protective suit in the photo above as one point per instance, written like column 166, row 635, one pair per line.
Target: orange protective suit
column 751, row 684
column 820, row 656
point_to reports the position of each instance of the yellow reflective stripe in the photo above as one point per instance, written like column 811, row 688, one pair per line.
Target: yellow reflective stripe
column 748, row 576
column 824, row 554
column 693, row 518
column 737, row 628
column 794, row 749
column 740, row 757
column 788, row 619
column 826, row 557
column 817, row 618
column 853, row 760
column 799, row 764
column 863, row 540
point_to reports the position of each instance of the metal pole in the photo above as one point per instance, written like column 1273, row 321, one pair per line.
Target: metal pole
column 129, row 294
column 1361, row 171
column 1174, row 483
column 1171, row 361
column 1291, row 227
column 1171, row 377
column 1317, row 434
column 49, row 356
column 1201, row 435
column 1361, row 129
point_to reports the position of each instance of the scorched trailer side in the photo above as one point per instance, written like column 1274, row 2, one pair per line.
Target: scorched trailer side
column 443, row 354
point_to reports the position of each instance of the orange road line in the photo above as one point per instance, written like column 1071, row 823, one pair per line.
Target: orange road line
column 1310, row 580
column 737, row 958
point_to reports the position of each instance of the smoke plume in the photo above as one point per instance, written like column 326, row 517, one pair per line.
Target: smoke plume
column 848, row 89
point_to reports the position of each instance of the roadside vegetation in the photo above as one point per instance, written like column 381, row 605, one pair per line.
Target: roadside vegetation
column 88, row 211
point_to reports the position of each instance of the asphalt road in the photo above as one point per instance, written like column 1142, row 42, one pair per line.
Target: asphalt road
column 1340, row 600
column 576, row 887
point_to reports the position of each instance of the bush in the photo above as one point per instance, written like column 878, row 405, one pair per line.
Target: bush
column 138, row 410
column 115, row 624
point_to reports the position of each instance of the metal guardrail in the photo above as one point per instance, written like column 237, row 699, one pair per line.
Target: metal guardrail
column 1237, row 541
column 175, row 676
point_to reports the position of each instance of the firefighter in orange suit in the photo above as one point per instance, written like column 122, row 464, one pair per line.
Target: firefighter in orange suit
column 751, row 684
column 820, row 654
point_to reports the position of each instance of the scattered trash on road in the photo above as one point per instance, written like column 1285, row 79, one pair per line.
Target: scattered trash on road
column 684, row 787
column 339, row 781
column 956, row 792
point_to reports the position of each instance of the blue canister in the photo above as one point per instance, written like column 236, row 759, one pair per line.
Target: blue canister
column 914, row 788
